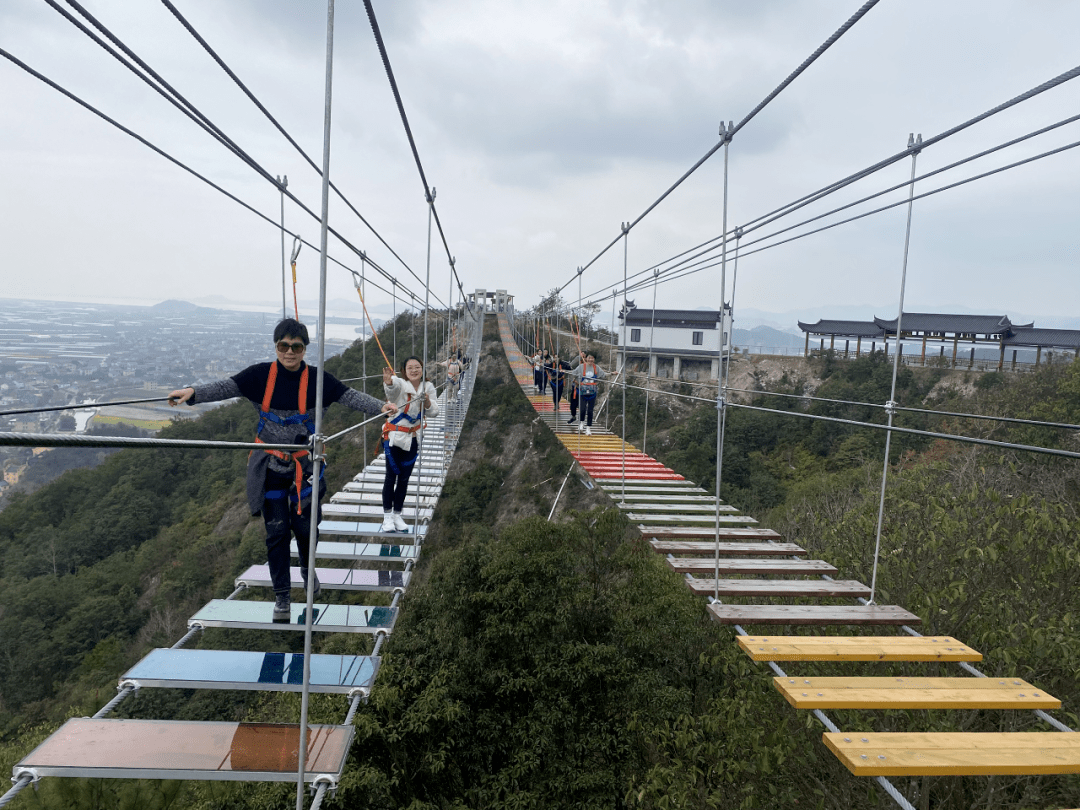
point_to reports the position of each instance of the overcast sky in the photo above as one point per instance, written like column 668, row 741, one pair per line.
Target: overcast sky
column 543, row 126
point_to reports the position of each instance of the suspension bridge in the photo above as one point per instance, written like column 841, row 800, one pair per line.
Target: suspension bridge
column 721, row 553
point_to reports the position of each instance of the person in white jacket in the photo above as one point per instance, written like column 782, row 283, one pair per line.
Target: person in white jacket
column 402, row 433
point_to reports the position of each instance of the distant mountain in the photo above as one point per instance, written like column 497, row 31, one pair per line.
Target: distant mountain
column 173, row 305
column 765, row 337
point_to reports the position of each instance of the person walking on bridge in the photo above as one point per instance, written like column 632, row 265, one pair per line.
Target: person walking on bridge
column 279, row 484
column 588, row 376
column 413, row 399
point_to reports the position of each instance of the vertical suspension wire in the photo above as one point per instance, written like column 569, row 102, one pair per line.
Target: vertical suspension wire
column 891, row 404
column 626, row 373
column 611, row 352
column 721, row 383
column 369, row 326
column 316, row 443
column 648, row 373
column 393, row 310
column 283, row 183
column 426, row 362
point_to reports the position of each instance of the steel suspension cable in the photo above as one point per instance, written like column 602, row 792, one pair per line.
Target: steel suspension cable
column 182, row 104
column 254, row 100
column 788, row 208
column 726, row 136
column 428, row 191
column 178, row 163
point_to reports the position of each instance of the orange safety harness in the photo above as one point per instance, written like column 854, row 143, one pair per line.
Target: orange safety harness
column 588, row 384
column 301, row 418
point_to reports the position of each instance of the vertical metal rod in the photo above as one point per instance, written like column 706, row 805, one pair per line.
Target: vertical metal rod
column 626, row 374
column 721, row 410
column 648, row 373
column 891, row 404
column 283, row 183
column 614, row 296
column 370, row 327
column 317, row 447
column 394, row 310
column 419, row 464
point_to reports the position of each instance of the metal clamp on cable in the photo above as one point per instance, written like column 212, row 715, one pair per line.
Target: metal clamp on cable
column 317, row 448
column 324, row 780
column 362, row 692
column 22, row 774
column 890, row 408
column 721, row 403
column 128, row 683
column 914, row 143
column 196, row 625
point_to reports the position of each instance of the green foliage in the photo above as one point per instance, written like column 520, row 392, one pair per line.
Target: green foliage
column 561, row 665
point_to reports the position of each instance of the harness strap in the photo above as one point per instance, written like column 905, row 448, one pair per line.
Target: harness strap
column 264, row 414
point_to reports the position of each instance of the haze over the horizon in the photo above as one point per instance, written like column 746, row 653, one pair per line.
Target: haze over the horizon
column 542, row 129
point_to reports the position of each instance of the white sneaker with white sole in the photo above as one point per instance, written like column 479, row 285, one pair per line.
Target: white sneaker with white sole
column 388, row 523
column 399, row 523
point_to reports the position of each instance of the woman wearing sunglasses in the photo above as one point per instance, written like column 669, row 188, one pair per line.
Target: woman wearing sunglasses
column 278, row 483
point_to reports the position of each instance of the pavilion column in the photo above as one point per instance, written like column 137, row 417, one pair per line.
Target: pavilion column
column 806, row 346
column 1038, row 356
column 955, row 346
column 924, row 349
column 858, row 347
column 1001, row 357
column 832, row 342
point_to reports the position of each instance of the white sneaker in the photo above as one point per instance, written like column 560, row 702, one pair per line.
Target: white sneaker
column 588, row 431
column 580, row 427
column 388, row 523
column 399, row 524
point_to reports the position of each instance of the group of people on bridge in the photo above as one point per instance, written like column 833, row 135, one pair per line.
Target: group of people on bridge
column 280, row 484
column 580, row 383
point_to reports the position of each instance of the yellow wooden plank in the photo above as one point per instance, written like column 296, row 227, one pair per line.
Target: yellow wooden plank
column 857, row 648
column 956, row 753
column 914, row 693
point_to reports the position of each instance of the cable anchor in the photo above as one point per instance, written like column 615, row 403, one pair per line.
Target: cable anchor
column 914, row 143
column 721, row 403
column 890, row 407
column 128, row 683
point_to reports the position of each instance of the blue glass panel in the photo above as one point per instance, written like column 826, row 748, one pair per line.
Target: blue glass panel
column 229, row 669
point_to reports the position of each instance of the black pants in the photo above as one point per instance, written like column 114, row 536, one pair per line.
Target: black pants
column 396, row 484
column 586, row 405
column 556, row 394
column 573, row 398
column 282, row 524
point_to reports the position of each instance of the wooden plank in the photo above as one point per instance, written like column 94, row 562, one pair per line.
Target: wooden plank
column 696, row 565
column 683, row 520
column 813, row 614
column 956, row 753
column 679, row 508
column 780, row 587
column 913, row 693
column 857, row 648
column 710, row 548
column 661, row 533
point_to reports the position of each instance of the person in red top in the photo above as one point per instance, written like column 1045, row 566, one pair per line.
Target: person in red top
column 279, row 485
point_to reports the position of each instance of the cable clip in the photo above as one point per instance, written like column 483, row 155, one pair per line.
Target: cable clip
column 22, row 773
column 128, row 683
column 324, row 780
column 362, row 692
column 914, row 143
column 721, row 403
column 890, row 408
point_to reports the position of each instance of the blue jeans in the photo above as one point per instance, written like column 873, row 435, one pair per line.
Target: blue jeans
column 282, row 524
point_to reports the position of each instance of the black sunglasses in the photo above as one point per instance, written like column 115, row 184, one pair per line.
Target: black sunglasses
column 284, row 346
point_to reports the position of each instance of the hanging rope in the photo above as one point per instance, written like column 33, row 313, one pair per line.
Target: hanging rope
column 371, row 326
column 297, row 244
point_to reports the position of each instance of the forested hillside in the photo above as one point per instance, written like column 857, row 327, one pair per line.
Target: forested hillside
column 563, row 664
